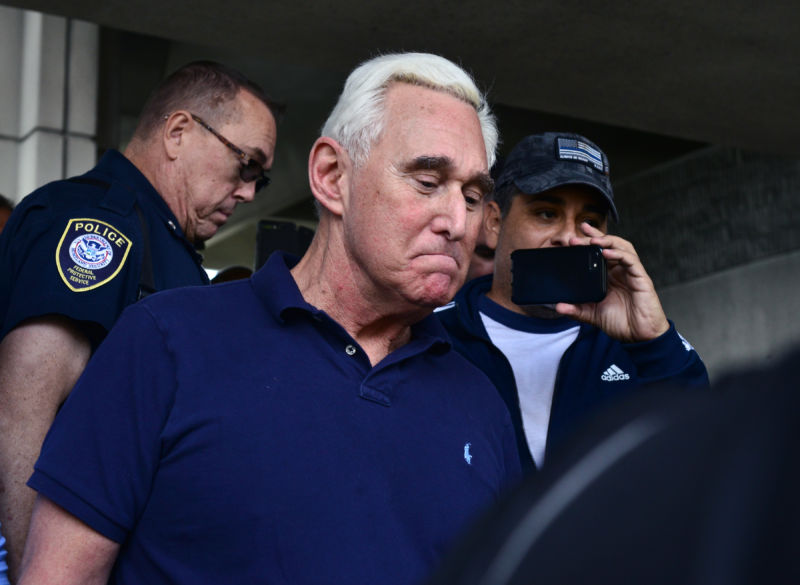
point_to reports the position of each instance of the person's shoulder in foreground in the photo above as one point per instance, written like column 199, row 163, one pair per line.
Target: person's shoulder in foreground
column 310, row 424
column 674, row 488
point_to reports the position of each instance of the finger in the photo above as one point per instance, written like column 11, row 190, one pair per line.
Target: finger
column 613, row 242
column 627, row 258
column 602, row 239
column 578, row 241
column 590, row 230
column 633, row 271
column 581, row 312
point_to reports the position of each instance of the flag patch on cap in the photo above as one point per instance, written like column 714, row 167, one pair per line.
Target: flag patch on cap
column 571, row 149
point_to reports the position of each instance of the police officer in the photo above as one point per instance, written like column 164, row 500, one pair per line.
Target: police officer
column 76, row 252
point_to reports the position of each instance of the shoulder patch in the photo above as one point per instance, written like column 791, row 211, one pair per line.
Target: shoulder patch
column 90, row 253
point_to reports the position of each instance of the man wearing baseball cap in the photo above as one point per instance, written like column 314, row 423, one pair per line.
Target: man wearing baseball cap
column 558, row 365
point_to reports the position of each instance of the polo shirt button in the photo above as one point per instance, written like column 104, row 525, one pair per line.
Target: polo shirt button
column 350, row 350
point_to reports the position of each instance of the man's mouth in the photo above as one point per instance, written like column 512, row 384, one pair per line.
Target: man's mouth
column 225, row 215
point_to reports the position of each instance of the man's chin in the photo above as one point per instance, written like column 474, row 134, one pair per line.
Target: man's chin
column 440, row 289
column 207, row 231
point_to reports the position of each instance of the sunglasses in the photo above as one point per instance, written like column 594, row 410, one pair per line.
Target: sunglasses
column 250, row 170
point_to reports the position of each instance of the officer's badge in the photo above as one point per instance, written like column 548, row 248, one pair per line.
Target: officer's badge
column 90, row 253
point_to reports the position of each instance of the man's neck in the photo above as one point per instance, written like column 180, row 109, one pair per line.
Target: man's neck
column 503, row 298
column 155, row 171
column 331, row 283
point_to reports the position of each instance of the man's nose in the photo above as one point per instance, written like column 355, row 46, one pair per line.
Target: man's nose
column 566, row 230
column 246, row 192
column 451, row 218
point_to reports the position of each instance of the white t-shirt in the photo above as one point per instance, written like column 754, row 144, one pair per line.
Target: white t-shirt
column 534, row 348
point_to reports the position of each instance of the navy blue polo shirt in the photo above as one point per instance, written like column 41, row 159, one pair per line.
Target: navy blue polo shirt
column 75, row 247
column 236, row 434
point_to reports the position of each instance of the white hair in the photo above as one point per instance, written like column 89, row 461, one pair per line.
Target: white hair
column 357, row 120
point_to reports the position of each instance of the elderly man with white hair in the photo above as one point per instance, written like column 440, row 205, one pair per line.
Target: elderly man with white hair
column 311, row 424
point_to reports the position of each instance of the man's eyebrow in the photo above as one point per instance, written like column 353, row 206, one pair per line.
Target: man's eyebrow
column 444, row 163
column 428, row 163
column 598, row 209
column 547, row 199
column 555, row 200
column 257, row 155
column 484, row 182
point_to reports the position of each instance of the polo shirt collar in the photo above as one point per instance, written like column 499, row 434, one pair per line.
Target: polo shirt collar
column 277, row 289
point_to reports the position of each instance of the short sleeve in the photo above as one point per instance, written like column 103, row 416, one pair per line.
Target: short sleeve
column 80, row 264
column 101, row 454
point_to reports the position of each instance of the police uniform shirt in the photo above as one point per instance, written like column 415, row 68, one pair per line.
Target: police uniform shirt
column 78, row 247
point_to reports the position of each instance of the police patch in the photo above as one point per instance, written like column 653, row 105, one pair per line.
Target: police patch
column 90, row 253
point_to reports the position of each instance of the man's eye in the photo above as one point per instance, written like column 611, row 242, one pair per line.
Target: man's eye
column 427, row 183
column 472, row 200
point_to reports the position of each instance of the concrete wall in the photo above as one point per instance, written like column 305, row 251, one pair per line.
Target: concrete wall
column 739, row 317
column 717, row 232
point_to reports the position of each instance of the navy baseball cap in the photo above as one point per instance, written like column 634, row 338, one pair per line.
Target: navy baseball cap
column 541, row 162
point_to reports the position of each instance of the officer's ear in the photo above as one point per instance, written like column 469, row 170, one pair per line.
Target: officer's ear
column 329, row 169
column 492, row 219
column 173, row 133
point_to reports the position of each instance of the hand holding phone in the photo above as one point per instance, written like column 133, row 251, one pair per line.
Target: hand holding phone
column 570, row 274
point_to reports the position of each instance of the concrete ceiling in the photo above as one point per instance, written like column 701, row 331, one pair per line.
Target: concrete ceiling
column 722, row 72
column 647, row 81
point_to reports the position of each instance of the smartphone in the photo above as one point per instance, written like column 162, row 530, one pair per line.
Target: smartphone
column 571, row 274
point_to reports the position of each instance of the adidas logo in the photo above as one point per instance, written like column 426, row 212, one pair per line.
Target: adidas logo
column 614, row 374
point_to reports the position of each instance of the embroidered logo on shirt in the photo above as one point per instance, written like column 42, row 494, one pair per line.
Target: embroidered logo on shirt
column 467, row 454
column 90, row 253
column 614, row 374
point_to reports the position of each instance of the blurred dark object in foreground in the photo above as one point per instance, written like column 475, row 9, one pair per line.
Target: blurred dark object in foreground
column 280, row 235
column 678, row 488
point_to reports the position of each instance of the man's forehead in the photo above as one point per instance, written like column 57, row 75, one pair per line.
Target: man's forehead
column 431, row 125
column 563, row 195
column 248, row 137
column 407, row 99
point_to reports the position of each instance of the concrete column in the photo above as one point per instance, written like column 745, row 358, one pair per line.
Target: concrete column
column 48, row 100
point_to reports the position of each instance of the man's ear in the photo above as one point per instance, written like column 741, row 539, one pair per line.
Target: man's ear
column 328, row 168
column 492, row 219
column 173, row 133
